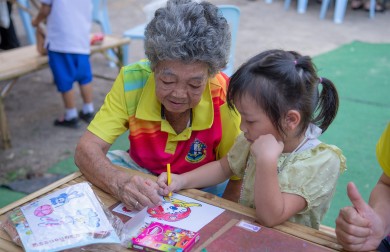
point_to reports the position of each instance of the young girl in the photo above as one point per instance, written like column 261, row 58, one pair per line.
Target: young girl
column 288, row 174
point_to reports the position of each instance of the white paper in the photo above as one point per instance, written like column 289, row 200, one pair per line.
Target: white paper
column 133, row 225
column 182, row 212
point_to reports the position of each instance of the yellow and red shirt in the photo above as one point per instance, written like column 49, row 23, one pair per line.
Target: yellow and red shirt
column 132, row 105
column 383, row 150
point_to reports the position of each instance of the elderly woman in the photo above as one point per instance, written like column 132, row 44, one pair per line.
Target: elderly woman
column 173, row 104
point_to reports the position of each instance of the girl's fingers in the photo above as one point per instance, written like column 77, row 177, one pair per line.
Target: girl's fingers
column 162, row 179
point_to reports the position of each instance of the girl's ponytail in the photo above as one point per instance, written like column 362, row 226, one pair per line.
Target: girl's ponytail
column 327, row 106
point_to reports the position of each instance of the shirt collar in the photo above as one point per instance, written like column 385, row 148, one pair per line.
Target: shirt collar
column 149, row 108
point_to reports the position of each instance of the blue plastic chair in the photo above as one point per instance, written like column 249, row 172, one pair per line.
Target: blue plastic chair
column 340, row 8
column 230, row 12
column 137, row 32
column 232, row 15
column 301, row 5
column 26, row 20
column 100, row 15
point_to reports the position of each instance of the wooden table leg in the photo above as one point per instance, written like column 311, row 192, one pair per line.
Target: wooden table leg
column 6, row 138
column 118, row 53
column 5, row 135
column 121, row 51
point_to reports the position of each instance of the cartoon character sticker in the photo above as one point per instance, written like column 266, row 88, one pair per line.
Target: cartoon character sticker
column 64, row 198
column 172, row 210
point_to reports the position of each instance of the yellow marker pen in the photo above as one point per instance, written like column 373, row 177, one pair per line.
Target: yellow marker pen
column 169, row 177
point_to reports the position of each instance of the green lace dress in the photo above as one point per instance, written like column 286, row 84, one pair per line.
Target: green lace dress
column 311, row 174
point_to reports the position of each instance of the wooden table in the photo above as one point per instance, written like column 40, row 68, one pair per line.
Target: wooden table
column 23, row 60
column 213, row 234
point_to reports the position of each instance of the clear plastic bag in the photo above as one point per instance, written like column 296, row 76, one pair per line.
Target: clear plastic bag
column 70, row 219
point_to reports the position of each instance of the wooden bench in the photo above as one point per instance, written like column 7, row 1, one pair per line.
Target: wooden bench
column 23, row 60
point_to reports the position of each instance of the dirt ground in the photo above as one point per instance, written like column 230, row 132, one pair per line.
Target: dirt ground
column 33, row 103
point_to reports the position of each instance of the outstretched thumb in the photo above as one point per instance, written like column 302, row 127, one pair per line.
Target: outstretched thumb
column 355, row 198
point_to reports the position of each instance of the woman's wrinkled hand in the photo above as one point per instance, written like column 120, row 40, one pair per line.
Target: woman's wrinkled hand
column 137, row 192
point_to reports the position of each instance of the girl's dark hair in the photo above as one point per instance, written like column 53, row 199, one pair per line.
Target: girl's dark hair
column 283, row 80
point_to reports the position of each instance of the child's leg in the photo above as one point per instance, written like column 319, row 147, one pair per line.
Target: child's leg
column 70, row 105
column 85, row 80
column 87, row 96
column 64, row 72
column 68, row 98
column 86, row 93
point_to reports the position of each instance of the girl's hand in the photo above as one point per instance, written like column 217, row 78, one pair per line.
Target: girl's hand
column 175, row 186
column 266, row 148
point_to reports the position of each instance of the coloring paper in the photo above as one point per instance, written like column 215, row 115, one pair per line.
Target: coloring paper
column 182, row 212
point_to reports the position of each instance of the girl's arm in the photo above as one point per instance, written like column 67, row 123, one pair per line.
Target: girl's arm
column 207, row 175
column 272, row 206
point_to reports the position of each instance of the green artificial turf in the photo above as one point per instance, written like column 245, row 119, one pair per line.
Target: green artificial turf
column 360, row 72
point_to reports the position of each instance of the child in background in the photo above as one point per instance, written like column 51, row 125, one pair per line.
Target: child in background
column 288, row 174
column 68, row 46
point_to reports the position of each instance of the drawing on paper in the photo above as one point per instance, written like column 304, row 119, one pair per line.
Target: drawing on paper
column 181, row 211
column 43, row 210
column 82, row 217
column 64, row 198
column 172, row 210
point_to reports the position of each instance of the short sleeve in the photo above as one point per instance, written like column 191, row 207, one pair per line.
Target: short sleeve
column 383, row 150
column 238, row 156
column 112, row 118
column 230, row 121
column 313, row 175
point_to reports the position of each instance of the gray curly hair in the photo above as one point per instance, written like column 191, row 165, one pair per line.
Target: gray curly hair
column 190, row 32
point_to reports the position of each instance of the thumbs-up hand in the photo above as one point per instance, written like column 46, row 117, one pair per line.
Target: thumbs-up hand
column 358, row 227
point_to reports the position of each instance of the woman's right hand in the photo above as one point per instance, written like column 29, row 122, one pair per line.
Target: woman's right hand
column 137, row 192
column 175, row 186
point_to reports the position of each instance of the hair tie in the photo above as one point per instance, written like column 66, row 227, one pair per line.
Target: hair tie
column 295, row 62
column 321, row 80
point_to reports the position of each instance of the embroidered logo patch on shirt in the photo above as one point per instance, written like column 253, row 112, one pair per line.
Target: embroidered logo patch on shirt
column 197, row 152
